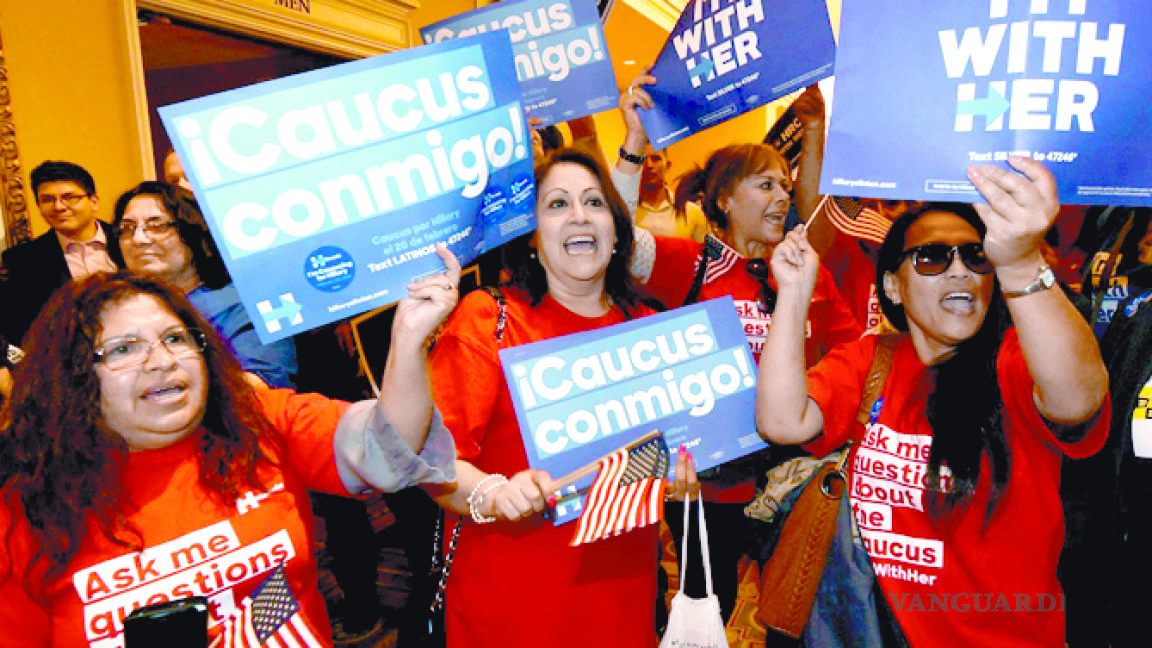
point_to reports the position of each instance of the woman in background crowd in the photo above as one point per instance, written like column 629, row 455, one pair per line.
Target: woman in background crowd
column 140, row 465
column 955, row 480
column 745, row 190
column 162, row 232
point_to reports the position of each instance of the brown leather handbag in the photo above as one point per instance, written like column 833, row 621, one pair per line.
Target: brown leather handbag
column 792, row 575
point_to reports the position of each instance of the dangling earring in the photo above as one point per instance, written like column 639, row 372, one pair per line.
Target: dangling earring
column 532, row 254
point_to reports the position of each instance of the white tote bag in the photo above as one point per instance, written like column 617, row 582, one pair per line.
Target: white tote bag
column 694, row 623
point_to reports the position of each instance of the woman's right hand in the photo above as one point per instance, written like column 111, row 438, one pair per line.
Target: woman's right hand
column 525, row 495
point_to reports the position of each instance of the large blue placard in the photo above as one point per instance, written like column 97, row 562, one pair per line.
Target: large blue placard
column 326, row 192
column 924, row 89
column 686, row 372
column 561, row 60
column 726, row 57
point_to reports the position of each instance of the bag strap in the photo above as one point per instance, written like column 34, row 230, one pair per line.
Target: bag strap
column 1108, row 271
column 711, row 250
column 501, row 303
column 703, row 545
column 877, row 374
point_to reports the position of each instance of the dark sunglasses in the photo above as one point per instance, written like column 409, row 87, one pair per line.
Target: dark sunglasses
column 934, row 258
column 759, row 270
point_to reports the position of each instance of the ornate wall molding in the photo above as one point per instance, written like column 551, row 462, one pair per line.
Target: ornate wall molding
column 348, row 28
column 16, row 226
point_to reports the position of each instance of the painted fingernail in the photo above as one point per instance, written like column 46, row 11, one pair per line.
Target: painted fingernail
column 683, row 448
column 551, row 500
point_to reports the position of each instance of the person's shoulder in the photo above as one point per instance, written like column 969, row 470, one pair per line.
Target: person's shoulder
column 31, row 255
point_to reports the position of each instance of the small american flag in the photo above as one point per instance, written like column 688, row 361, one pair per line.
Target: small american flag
column 269, row 617
column 628, row 492
column 720, row 258
column 854, row 219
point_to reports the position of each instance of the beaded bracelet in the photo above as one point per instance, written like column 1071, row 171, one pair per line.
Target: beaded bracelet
column 476, row 497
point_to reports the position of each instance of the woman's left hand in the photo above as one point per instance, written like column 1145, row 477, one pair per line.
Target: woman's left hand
column 686, row 481
column 1020, row 209
column 429, row 299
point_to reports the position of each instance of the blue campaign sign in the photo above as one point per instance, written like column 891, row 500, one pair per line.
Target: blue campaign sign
column 326, row 192
column 686, row 372
column 563, row 65
column 924, row 89
column 726, row 57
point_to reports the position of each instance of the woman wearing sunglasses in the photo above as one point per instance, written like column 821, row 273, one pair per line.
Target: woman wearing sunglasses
column 954, row 482
column 745, row 191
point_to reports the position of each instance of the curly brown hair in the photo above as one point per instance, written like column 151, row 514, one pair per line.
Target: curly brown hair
column 62, row 464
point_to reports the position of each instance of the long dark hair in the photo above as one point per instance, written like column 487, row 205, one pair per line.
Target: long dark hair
column 181, row 205
column 965, row 406
column 718, row 178
column 526, row 273
column 62, row 464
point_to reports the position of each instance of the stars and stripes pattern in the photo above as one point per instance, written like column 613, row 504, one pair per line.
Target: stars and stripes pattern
column 721, row 258
column 628, row 492
column 269, row 618
column 854, row 219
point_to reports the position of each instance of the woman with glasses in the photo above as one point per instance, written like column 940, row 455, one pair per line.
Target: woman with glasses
column 745, row 191
column 161, row 232
column 141, row 467
column 994, row 378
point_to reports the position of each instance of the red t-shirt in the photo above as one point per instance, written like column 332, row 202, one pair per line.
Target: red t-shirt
column 194, row 545
column 970, row 583
column 520, row 584
column 830, row 322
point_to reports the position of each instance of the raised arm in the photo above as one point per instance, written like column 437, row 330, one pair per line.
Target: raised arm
column 784, row 413
column 809, row 109
column 635, row 139
column 405, row 392
column 1063, row 358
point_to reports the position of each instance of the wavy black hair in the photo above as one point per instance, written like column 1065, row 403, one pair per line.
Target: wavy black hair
column 181, row 205
column 519, row 255
column 965, row 406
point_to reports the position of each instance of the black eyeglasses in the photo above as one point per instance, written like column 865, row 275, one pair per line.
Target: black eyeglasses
column 759, row 270
column 934, row 258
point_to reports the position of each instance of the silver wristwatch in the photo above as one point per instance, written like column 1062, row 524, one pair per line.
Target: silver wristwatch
column 1044, row 280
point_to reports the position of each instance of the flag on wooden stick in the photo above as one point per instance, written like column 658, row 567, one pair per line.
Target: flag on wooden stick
column 628, row 492
column 850, row 216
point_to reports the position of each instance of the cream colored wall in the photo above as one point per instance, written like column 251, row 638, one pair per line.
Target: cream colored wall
column 71, row 87
column 431, row 11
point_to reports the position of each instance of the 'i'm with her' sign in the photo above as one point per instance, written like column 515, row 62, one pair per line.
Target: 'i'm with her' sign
column 327, row 191
column 923, row 89
column 687, row 372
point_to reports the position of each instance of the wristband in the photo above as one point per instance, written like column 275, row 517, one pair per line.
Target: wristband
column 629, row 157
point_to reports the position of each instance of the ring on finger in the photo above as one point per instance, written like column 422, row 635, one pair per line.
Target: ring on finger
column 448, row 286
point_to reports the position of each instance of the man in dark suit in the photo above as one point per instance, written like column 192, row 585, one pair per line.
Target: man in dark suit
column 76, row 246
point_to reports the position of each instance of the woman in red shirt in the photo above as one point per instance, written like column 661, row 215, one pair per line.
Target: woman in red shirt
column 954, row 482
column 514, row 581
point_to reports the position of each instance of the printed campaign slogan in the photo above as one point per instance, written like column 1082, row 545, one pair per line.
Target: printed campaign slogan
column 924, row 89
column 726, row 57
column 564, row 67
column 686, row 372
column 327, row 191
